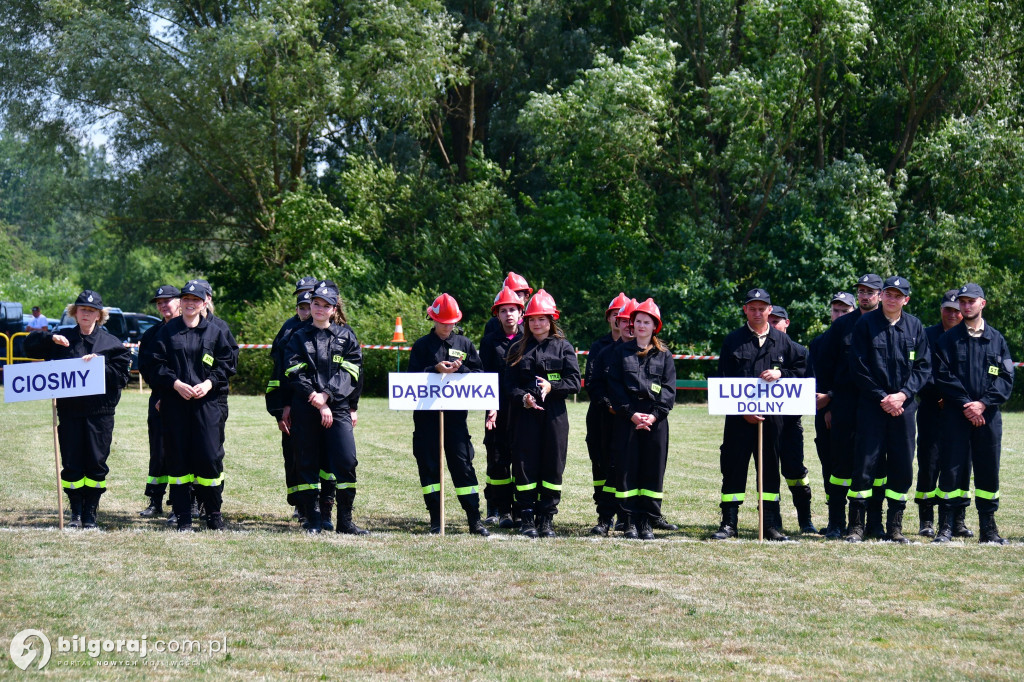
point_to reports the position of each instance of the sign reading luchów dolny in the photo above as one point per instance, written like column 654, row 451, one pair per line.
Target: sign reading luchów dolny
column 54, row 379
column 756, row 396
column 428, row 391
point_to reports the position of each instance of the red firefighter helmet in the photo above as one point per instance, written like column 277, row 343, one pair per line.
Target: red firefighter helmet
column 627, row 309
column 617, row 303
column 506, row 297
column 517, row 283
column 651, row 308
column 445, row 310
column 541, row 304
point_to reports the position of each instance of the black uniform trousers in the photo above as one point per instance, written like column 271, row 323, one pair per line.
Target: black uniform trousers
column 156, row 482
column 823, row 446
column 291, row 480
column 458, row 453
column 841, row 437
column 194, row 437
column 599, row 446
column 499, row 490
column 640, row 459
column 884, row 443
column 966, row 445
column 929, row 444
column 539, row 443
column 84, row 448
column 739, row 445
column 791, row 457
column 325, row 459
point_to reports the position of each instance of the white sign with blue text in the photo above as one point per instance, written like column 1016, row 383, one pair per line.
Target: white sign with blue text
column 54, row 379
column 732, row 395
column 428, row 391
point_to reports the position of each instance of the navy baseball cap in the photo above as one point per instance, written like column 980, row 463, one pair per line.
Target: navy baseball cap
column 304, row 284
column 90, row 299
column 949, row 300
column 329, row 294
column 165, row 291
column 758, row 295
column 780, row 312
column 971, row 290
column 898, row 283
column 199, row 288
column 870, row 280
column 844, row 297
column 304, row 297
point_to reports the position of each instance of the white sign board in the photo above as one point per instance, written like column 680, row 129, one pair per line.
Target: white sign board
column 54, row 379
column 428, row 391
column 756, row 396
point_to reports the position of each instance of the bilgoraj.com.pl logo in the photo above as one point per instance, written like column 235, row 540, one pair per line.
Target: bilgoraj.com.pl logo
column 31, row 646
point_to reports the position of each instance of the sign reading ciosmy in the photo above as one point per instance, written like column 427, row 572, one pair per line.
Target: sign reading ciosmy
column 756, row 396
column 428, row 391
column 54, row 379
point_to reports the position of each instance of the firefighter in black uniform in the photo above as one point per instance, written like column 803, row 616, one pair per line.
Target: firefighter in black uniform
column 974, row 373
column 755, row 350
column 194, row 355
column 278, row 395
column 890, row 362
column 86, row 424
column 841, row 304
column 325, row 372
column 168, row 304
column 542, row 372
column 599, row 422
column 791, row 441
column 445, row 351
column 518, row 284
column 642, row 391
column 508, row 310
column 929, row 422
column 834, row 379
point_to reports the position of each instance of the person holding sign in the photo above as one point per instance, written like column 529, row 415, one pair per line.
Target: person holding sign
column 86, row 423
column 445, row 351
column 542, row 371
column 642, row 391
column 324, row 368
column 194, row 357
column 755, row 350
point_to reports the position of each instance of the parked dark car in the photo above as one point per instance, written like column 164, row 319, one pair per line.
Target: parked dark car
column 129, row 327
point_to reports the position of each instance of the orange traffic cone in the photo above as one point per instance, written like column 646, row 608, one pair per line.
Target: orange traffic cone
column 399, row 336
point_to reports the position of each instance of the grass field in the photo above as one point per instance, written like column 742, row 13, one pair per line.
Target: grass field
column 406, row 605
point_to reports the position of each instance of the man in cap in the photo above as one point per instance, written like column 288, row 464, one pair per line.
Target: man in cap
column 974, row 374
column 841, row 304
column 929, row 422
column 755, row 350
column 278, row 395
column 791, row 441
column 890, row 362
column 168, row 304
column 37, row 322
column 835, row 380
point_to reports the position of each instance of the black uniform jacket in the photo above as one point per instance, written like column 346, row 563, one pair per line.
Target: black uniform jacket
column 326, row 361
column 222, row 389
column 968, row 369
column 147, row 367
column 640, row 384
column 207, row 351
column 431, row 349
column 116, row 357
column 889, row 358
column 832, row 365
column 279, row 392
column 597, row 372
column 742, row 357
column 552, row 359
column 929, row 393
column 494, row 354
column 493, row 326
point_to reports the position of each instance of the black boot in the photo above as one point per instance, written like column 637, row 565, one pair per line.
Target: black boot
column 773, row 523
column 660, row 523
column 433, row 502
column 476, row 526
column 492, row 516
column 894, row 526
column 602, row 527
column 960, row 529
column 629, row 530
column 730, row 519
column 314, row 522
column 155, row 507
column 873, row 527
column 644, row 529
column 988, row 531
column 926, row 514
column 90, row 505
column 836, row 517
column 855, row 531
column 75, row 505
column 214, row 521
column 803, row 517
column 505, row 520
column 345, row 523
column 181, row 503
column 326, row 514
column 945, row 533
column 545, row 526
column 527, row 528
